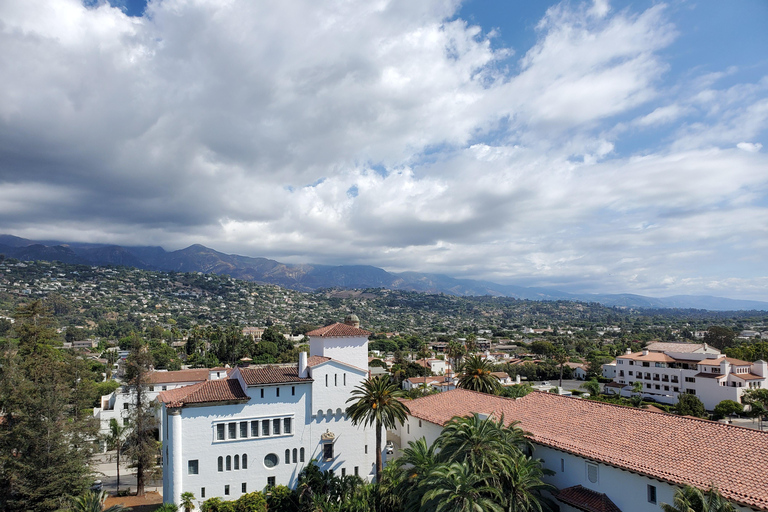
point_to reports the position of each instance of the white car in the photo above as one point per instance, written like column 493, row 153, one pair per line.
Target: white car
column 390, row 448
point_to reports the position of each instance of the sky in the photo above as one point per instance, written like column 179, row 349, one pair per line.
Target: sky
column 611, row 147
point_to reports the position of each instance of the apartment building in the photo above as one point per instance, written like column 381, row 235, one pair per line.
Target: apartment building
column 668, row 369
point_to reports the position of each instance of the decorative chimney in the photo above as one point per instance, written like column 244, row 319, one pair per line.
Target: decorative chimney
column 352, row 320
column 629, row 351
column 645, row 351
column 302, row 365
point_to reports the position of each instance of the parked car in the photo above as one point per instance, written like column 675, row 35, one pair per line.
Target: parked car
column 390, row 448
column 97, row 486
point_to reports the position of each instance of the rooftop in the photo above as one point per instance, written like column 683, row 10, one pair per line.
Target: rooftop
column 174, row 377
column 661, row 346
column 586, row 499
column 659, row 445
column 223, row 390
column 272, row 374
column 339, row 330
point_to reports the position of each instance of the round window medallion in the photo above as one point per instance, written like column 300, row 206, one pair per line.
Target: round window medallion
column 270, row 460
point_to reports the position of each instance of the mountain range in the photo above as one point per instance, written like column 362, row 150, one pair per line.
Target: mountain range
column 309, row 277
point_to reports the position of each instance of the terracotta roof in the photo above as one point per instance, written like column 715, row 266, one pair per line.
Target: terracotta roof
column 614, row 384
column 662, row 446
column 652, row 357
column 708, row 375
column 192, row 375
column 500, row 375
column 421, row 380
column 659, row 346
column 586, row 499
column 339, row 330
column 716, row 362
column 747, row 376
column 258, row 375
column 223, row 390
column 316, row 360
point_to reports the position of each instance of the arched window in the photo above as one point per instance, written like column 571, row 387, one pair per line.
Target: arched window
column 237, row 462
column 221, row 463
column 229, row 463
column 295, row 458
column 245, row 461
column 287, row 456
column 301, row 455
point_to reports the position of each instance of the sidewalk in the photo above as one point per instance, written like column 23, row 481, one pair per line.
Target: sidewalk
column 105, row 469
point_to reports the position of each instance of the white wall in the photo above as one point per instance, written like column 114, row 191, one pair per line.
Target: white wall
column 351, row 350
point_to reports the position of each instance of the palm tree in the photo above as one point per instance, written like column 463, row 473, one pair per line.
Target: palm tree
column 457, row 488
column 115, row 440
column 691, row 499
column 188, row 501
column 93, row 502
column 561, row 357
column 375, row 401
column 477, row 376
column 415, row 464
column 455, row 353
column 478, row 443
column 592, row 386
column 522, row 482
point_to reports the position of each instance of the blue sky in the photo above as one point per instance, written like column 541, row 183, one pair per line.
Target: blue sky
column 592, row 146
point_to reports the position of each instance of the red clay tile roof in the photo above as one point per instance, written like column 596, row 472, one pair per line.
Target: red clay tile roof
column 316, row 360
column 716, row 362
column 223, row 390
column 747, row 376
column 339, row 330
column 652, row 357
column 662, row 346
column 662, row 446
column 194, row 375
column 586, row 499
column 258, row 375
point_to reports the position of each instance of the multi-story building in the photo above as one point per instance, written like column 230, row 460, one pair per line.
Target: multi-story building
column 117, row 404
column 263, row 424
column 668, row 369
column 605, row 457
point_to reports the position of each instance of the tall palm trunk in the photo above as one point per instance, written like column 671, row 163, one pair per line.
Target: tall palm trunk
column 379, row 463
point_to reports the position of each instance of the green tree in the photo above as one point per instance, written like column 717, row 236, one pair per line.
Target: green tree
column 691, row 499
column 477, row 376
column 375, row 402
column 115, row 440
column 188, row 501
column 142, row 449
column 251, row 502
column 455, row 352
column 719, row 337
column 458, row 488
column 561, row 357
column 592, row 386
column 521, row 479
column 728, row 407
column 45, row 438
column 690, row 405
column 93, row 502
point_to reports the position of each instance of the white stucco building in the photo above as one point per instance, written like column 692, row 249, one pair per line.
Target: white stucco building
column 609, row 458
column 668, row 369
column 263, row 424
column 118, row 403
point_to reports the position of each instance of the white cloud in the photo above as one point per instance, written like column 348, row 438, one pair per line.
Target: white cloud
column 750, row 146
column 245, row 125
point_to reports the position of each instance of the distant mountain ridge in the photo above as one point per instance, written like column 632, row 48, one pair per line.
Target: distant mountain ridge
column 309, row 277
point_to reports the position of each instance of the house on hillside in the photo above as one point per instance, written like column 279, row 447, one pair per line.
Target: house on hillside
column 603, row 454
column 260, row 426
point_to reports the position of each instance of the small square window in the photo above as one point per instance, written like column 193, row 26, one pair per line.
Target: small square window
column 357, row 471
column 192, row 467
column 286, row 425
column 265, row 427
column 220, row 432
column 226, row 490
column 243, row 488
column 651, row 494
column 243, row 429
column 165, row 388
column 202, row 492
column 125, row 406
column 343, row 472
column 255, row 428
column 232, row 430
column 125, row 422
column 328, row 451
column 262, row 392
column 276, row 427
column 151, row 388
column 293, row 390
column 277, row 391
column 366, row 449
column 270, row 481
